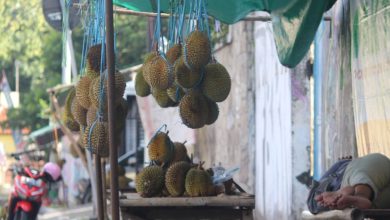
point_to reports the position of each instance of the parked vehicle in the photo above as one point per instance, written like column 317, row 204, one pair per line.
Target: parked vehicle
column 30, row 186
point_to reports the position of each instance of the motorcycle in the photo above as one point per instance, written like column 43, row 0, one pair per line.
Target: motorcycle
column 30, row 186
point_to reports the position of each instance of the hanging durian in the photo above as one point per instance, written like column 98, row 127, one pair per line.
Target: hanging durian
column 213, row 112
column 142, row 88
column 96, row 138
column 175, row 93
column 174, row 53
column 175, row 178
column 82, row 91
column 67, row 116
column 216, row 82
column 150, row 181
column 162, row 98
column 161, row 148
column 94, row 61
column 79, row 113
column 145, row 67
column 193, row 109
column 185, row 77
column 159, row 73
column 197, row 50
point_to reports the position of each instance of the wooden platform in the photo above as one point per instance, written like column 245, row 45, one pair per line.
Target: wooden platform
column 349, row 214
column 223, row 207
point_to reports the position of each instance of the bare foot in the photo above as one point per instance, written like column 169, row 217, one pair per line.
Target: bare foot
column 330, row 199
column 346, row 201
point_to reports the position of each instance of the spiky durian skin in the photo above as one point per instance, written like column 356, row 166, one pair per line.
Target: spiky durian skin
column 213, row 112
column 90, row 72
column 185, row 77
column 67, row 116
column 216, row 83
column 175, row 93
column 180, row 153
column 96, row 138
column 142, row 88
column 145, row 67
column 193, row 109
column 161, row 148
column 94, row 58
column 197, row 50
column 197, row 182
column 159, row 73
column 150, row 181
column 175, row 178
column 162, row 98
column 82, row 91
column 95, row 91
column 174, row 53
column 79, row 113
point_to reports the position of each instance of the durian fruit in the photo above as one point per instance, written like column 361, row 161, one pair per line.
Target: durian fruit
column 174, row 53
column 96, row 138
column 145, row 67
column 213, row 112
column 162, row 98
column 67, row 116
column 193, row 109
column 197, row 50
column 90, row 72
column 198, row 182
column 175, row 178
column 180, row 153
column 175, row 93
column 92, row 115
column 185, row 77
column 150, row 181
column 95, row 90
column 216, row 83
column 94, row 61
column 79, row 113
column 82, row 91
column 142, row 88
column 161, row 148
column 159, row 73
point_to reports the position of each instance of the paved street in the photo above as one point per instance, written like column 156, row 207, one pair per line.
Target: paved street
column 83, row 212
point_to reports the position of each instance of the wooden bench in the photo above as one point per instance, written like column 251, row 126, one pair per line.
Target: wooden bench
column 223, row 207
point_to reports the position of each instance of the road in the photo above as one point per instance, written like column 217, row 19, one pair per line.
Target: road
column 83, row 212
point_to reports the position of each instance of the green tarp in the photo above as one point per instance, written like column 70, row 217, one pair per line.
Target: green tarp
column 294, row 21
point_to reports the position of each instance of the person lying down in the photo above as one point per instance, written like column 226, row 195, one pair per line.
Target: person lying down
column 365, row 184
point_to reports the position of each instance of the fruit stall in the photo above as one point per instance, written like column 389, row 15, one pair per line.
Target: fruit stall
column 180, row 72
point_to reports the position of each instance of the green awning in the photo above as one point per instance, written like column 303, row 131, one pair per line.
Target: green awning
column 294, row 21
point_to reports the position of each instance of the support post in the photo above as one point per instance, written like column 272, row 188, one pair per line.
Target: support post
column 99, row 188
column 111, row 108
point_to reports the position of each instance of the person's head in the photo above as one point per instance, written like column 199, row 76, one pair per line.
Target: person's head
column 52, row 172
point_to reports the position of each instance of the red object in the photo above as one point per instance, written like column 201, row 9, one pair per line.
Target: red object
column 29, row 186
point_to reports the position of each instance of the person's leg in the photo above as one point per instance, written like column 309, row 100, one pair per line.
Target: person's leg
column 35, row 209
column 11, row 206
column 360, row 199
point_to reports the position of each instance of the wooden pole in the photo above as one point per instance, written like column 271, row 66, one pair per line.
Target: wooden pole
column 99, row 188
column 111, row 108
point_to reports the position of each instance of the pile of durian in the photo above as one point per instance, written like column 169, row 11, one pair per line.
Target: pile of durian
column 172, row 173
column 187, row 77
column 86, row 112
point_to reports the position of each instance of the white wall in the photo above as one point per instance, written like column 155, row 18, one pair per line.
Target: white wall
column 273, row 130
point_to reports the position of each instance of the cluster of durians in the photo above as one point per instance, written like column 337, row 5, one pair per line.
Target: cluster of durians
column 186, row 77
column 172, row 172
column 85, row 108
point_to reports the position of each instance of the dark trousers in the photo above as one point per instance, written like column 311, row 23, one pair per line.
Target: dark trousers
column 31, row 215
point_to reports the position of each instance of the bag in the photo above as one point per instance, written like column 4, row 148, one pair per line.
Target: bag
column 329, row 182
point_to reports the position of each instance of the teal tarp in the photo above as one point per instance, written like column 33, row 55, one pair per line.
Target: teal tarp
column 294, row 21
